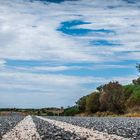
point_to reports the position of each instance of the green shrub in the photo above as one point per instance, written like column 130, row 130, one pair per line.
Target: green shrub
column 71, row 111
column 92, row 102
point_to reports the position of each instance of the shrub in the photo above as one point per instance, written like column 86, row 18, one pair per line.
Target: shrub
column 112, row 98
column 92, row 102
column 71, row 111
column 81, row 104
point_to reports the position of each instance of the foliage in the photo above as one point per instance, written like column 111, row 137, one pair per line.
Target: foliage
column 71, row 111
column 134, row 99
column 92, row 102
column 128, row 90
column 112, row 97
column 81, row 103
column 136, row 81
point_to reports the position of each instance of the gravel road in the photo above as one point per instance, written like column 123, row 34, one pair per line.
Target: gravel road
column 18, row 127
column 49, row 131
column 125, row 127
column 8, row 122
column 24, row 130
column 83, row 132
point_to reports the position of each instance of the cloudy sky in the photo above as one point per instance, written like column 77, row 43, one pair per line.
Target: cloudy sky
column 53, row 51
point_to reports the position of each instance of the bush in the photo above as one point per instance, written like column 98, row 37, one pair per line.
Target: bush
column 92, row 102
column 71, row 111
column 112, row 97
column 81, row 104
column 128, row 90
column 134, row 99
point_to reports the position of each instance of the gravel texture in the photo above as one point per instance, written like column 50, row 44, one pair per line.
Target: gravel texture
column 8, row 122
column 24, row 130
column 17, row 127
column 48, row 131
column 125, row 127
column 83, row 132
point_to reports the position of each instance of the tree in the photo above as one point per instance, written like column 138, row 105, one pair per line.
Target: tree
column 128, row 90
column 100, row 88
column 136, row 81
column 112, row 98
column 81, row 103
column 104, row 101
column 71, row 111
column 92, row 102
column 134, row 99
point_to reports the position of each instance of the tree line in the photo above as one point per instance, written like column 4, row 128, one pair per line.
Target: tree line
column 111, row 97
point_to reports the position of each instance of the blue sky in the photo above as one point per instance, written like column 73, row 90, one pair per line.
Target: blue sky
column 53, row 52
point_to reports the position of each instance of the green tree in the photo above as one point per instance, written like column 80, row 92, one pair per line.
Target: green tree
column 134, row 99
column 81, row 103
column 92, row 102
column 71, row 111
column 128, row 90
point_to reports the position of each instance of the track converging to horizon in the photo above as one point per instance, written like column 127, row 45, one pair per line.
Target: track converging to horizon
column 19, row 127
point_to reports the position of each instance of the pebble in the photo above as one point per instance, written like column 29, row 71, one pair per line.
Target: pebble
column 8, row 122
column 121, row 126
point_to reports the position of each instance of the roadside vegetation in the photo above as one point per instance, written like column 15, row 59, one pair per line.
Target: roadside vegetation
column 110, row 99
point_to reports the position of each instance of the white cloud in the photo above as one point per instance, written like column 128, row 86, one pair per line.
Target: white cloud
column 2, row 63
column 28, row 31
column 24, row 89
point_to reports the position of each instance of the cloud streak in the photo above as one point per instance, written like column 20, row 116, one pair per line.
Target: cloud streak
column 45, row 46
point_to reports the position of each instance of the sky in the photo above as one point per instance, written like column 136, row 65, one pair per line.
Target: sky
column 52, row 52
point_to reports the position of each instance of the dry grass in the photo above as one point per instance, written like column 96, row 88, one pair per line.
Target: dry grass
column 8, row 113
column 135, row 114
column 110, row 114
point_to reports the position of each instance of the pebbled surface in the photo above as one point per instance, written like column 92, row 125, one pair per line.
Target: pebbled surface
column 121, row 126
column 8, row 122
column 24, row 130
column 48, row 131
column 86, row 133
column 17, row 127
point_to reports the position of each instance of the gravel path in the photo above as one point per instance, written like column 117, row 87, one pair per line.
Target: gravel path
column 24, row 130
column 8, row 122
column 49, row 131
column 125, row 127
column 18, row 127
column 83, row 132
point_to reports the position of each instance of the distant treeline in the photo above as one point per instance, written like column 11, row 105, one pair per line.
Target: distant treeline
column 111, row 97
column 52, row 111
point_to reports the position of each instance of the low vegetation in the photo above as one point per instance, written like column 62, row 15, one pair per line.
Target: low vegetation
column 111, row 99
